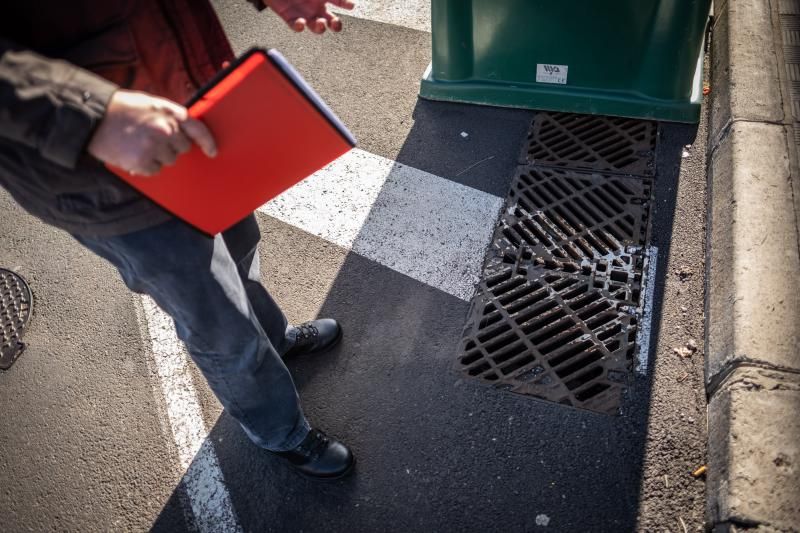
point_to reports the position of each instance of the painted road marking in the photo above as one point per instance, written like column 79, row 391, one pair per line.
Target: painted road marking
column 646, row 321
column 426, row 227
column 205, row 485
column 414, row 14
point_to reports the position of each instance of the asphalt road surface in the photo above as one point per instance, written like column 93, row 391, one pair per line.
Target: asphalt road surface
column 107, row 426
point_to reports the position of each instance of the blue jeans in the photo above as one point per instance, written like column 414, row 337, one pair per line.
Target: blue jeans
column 233, row 329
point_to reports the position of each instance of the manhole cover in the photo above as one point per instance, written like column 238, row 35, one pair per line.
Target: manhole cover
column 554, row 335
column 589, row 142
column 16, row 306
column 566, row 216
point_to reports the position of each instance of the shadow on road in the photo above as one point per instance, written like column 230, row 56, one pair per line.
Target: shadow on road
column 436, row 452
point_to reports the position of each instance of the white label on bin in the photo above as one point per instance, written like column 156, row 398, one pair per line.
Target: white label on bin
column 551, row 73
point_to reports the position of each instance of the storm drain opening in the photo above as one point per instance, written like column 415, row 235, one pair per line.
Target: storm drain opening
column 589, row 142
column 578, row 218
column 16, row 307
column 552, row 335
column 556, row 312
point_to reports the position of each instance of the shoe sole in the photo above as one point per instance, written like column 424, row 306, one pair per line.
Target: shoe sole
column 327, row 479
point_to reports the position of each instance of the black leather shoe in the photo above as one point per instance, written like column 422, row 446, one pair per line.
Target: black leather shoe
column 315, row 337
column 320, row 457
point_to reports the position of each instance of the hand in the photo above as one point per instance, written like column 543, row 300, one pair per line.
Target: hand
column 140, row 133
column 312, row 13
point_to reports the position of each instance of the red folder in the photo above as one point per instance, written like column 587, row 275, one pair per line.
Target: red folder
column 272, row 131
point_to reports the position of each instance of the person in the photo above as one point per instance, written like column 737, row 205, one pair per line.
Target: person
column 86, row 83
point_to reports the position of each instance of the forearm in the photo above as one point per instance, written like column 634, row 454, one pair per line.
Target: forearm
column 49, row 105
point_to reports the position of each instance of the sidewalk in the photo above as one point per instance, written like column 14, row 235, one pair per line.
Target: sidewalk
column 753, row 305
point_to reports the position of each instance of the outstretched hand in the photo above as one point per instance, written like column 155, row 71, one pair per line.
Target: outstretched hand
column 313, row 14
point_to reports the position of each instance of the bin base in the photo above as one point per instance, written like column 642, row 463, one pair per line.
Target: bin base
column 567, row 99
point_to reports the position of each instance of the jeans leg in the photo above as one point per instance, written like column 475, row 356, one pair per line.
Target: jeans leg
column 242, row 242
column 196, row 281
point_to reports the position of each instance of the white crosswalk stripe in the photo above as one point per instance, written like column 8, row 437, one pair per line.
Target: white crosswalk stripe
column 205, row 485
column 426, row 227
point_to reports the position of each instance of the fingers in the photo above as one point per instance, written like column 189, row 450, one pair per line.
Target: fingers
column 318, row 26
column 146, row 169
column 166, row 154
column 192, row 131
column 174, row 138
column 180, row 143
column 200, row 134
column 176, row 110
column 334, row 23
column 298, row 24
column 177, row 144
column 323, row 20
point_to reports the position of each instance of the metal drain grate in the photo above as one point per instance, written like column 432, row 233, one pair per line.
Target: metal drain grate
column 555, row 313
column 565, row 216
column 588, row 142
column 554, row 335
column 16, row 306
column 620, row 278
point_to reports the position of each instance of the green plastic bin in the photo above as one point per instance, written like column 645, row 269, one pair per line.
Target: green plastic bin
column 629, row 58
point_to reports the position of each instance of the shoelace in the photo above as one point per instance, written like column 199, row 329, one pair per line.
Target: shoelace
column 316, row 446
column 306, row 331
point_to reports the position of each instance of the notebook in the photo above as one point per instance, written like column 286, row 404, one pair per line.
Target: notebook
column 272, row 131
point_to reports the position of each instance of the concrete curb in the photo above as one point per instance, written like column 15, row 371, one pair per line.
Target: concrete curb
column 752, row 303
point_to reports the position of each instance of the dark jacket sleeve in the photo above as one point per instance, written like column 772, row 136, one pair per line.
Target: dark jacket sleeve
column 49, row 105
